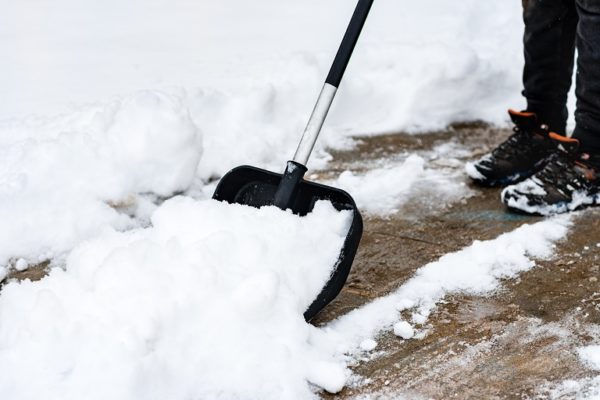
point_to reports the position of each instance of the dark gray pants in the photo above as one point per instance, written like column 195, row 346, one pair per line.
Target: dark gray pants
column 553, row 29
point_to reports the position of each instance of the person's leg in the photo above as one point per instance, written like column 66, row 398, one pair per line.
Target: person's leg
column 549, row 42
column 587, row 115
column 571, row 178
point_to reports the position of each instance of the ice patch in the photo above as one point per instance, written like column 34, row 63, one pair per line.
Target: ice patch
column 206, row 304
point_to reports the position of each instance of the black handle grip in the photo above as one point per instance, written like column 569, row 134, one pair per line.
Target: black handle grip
column 350, row 38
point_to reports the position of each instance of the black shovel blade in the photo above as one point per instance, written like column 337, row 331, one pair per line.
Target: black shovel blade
column 256, row 187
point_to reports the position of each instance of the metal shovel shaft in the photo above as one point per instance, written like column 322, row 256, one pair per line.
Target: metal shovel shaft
column 317, row 118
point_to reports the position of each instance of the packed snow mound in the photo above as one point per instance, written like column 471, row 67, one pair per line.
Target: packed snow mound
column 61, row 178
column 205, row 304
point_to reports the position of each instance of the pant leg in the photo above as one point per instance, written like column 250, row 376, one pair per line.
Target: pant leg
column 587, row 115
column 549, row 41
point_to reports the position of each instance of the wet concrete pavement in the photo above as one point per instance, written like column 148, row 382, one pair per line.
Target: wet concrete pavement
column 518, row 343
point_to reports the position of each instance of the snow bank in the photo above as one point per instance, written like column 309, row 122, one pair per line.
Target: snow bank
column 477, row 270
column 206, row 304
column 62, row 179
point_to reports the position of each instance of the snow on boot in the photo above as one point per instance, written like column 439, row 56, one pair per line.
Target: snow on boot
column 518, row 157
column 570, row 180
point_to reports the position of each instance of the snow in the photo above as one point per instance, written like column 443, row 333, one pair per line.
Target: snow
column 379, row 191
column 207, row 303
column 212, row 291
column 582, row 389
column 152, row 99
column 591, row 356
column 404, row 330
column 65, row 178
column 418, row 64
column 110, row 108
column 477, row 269
column 21, row 265
column 368, row 345
column 473, row 172
column 383, row 190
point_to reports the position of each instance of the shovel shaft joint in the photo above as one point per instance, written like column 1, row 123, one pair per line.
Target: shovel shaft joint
column 315, row 123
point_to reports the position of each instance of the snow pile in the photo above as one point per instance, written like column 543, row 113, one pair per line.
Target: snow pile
column 208, row 304
column 60, row 176
column 477, row 269
column 382, row 191
column 205, row 304
column 257, row 126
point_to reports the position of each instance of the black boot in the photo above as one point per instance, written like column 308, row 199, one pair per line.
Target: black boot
column 524, row 153
column 570, row 180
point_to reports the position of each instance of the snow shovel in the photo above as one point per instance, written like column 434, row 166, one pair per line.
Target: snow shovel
column 257, row 187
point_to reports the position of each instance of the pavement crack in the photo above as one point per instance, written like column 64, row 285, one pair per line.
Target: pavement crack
column 405, row 237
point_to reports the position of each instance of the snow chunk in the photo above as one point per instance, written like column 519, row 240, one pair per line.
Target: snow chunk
column 330, row 376
column 368, row 345
column 207, row 303
column 404, row 330
column 21, row 264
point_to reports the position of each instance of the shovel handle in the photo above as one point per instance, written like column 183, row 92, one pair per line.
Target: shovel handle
column 348, row 43
column 288, row 186
column 317, row 118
